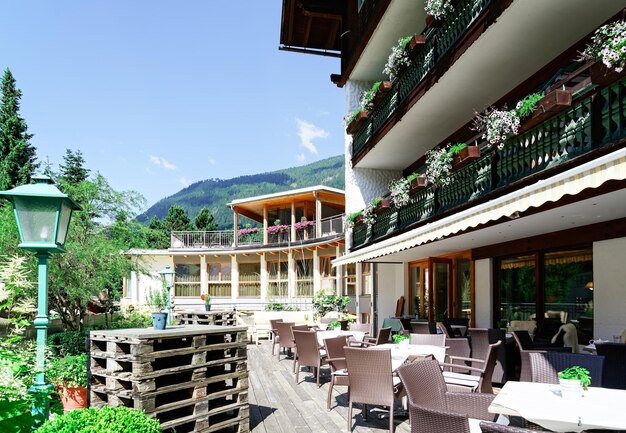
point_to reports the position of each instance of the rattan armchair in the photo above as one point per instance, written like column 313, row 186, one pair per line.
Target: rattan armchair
column 492, row 427
column 526, row 346
column 423, row 328
column 428, row 339
column 479, row 374
column 614, row 374
column 381, row 338
column 285, row 336
column 544, row 367
column 274, row 332
column 428, row 420
column 337, row 361
column 371, row 381
column 308, row 353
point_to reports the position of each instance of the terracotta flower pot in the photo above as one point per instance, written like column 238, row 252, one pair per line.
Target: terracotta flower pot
column 604, row 76
column 357, row 123
column 465, row 156
column 72, row 397
column 418, row 183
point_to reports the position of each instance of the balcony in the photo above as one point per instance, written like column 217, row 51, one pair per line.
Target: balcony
column 596, row 119
column 246, row 238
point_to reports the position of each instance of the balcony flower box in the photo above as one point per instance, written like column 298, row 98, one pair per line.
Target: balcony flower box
column 602, row 75
column 465, row 156
column 382, row 205
column 385, row 86
column 357, row 123
column 554, row 102
column 417, row 183
column 414, row 45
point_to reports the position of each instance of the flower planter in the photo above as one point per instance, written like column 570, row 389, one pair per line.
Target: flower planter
column 385, row 86
column 207, row 307
column 414, row 45
column 357, row 123
column 554, row 102
column 571, row 389
column 465, row 156
column 159, row 320
column 432, row 22
column 72, row 397
column 604, row 76
column 384, row 204
column 418, row 183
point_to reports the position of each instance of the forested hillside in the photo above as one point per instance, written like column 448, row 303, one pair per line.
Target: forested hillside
column 215, row 193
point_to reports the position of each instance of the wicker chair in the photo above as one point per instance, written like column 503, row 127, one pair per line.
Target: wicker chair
column 614, row 374
column 429, row 339
column 526, row 346
column 381, row 338
column 423, row 328
column 285, row 336
column 479, row 379
column 492, row 427
column 544, row 367
column 274, row 332
column 428, row 420
column 481, row 339
column 337, row 361
column 371, row 381
column 308, row 353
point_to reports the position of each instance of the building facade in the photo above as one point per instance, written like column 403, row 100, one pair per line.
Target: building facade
column 529, row 224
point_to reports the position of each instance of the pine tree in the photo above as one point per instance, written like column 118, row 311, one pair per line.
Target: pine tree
column 73, row 171
column 177, row 219
column 204, row 220
column 17, row 154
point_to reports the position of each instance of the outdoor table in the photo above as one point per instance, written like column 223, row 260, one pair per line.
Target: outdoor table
column 542, row 404
column 400, row 353
column 322, row 335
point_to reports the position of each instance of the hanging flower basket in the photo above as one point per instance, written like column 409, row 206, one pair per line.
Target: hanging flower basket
column 465, row 156
column 602, row 75
column 357, row 123
column 414, row 45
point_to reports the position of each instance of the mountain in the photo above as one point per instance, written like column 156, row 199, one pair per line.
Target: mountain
column 215, row 193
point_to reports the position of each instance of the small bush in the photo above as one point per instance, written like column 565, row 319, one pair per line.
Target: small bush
column 70, row 370
column 107, row 419
column 68, row 343
column 132, row 319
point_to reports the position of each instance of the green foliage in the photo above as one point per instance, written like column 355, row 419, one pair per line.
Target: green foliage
column 73, row 170
column 15, row 416
column 353, row 115
column 456, row 148
column 353, row 216
column 577, row 373
column 107, row 419
column 177, row 219
column 157, row 299
column 17, row 154
column 70, row 370
column 131, row 319
column 276, row 306
column 376, row 201
column 528, row 105
column 16, row 299
column 204, row 220
column 334, row 324
column 397, row 338
column 324, row 303
column 17, row 369
column 67, row 343
column 215, row 193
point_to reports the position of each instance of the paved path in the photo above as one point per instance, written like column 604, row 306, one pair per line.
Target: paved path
column 278, row 404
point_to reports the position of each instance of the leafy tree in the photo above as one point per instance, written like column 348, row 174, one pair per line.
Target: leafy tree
column 204, row 220
column 158, row 235
column 73, row 171
column 177, row 219
column 17, row 154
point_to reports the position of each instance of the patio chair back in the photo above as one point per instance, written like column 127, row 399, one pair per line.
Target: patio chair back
column 492, row 427
column 429, row 339
column 337, row 361
column 383, row 336
column 371, row 380
column 428, row 420
column 488, row 368
column 544, row 367
column 481, row 338
column 614, row 374
column 460, row 321
column 424, row 383
column 423, row 328
column 308, row 352
column 285, row 336
column 523, row 339
column 274, row 332
column 400, row 306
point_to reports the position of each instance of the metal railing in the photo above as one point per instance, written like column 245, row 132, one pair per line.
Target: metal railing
column 202, row 239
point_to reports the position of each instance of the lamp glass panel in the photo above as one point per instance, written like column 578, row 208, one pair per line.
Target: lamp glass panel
column 64, row 222
column 169, row 277
column 37, row 218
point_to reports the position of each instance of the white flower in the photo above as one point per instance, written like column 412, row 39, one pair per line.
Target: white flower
column 399, row 189
column 438, row 8
column 397, row 58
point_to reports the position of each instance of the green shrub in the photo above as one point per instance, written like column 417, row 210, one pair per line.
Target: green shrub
column 132, row 319
column 70, row 370
column 107, row 419
column 67, row 343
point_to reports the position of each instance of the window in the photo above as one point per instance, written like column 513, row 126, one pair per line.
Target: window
column 278, row 279
column 187, row 280
column 349, row 280
column 219, row 276
column 328, row 274
column 463, row 289
column 366, row 280
column 249, row 280
column 304, row 277
column 517, row 288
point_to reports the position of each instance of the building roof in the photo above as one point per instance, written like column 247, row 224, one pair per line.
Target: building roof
column 289, row 193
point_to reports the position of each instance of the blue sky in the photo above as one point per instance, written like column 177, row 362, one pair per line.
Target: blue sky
column 160, row 94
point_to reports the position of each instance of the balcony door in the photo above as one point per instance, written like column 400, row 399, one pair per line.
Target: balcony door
column 441, row 288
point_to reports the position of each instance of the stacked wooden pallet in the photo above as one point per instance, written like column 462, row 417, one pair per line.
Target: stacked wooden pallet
column 191, row 378
column 200, row 317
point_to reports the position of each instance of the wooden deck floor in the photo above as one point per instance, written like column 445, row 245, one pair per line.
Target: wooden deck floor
column 278, row 404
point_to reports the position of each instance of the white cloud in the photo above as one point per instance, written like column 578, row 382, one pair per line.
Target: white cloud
column 307, row 133
column 184, row 181
column 212, row 161
column 301, row 157
column 162, row 162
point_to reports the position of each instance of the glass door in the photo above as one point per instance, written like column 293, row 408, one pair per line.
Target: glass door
column 418, row 296
column 441, row 288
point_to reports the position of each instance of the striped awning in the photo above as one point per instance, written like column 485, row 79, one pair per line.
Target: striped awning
column 571, row 182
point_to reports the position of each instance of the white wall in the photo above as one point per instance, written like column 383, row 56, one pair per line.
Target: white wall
column 609, row 288
column 391, row 284
column 143, row 283
column 484, row 293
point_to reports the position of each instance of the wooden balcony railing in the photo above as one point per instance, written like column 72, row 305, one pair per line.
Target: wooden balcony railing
column 438, row 43
column 596, row 118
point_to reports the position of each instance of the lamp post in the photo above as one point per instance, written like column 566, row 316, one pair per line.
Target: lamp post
column 43, row 216
column 167, row 276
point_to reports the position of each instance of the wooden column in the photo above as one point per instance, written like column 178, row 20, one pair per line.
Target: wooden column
column 318, row 217
column 317, row 280
column 235, row 227
column 264, row 224
column 234, row 287
column 204, row 286
column 264, row 278
column 293, row 221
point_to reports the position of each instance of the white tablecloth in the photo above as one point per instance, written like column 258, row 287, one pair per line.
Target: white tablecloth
column 322, row 335
column 541, row 403
column 400, row 353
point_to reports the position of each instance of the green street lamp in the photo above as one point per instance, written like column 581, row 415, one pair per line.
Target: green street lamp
column 43, row 216
column 167, row 276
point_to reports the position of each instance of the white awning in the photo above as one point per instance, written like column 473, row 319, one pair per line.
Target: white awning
column 571, row 182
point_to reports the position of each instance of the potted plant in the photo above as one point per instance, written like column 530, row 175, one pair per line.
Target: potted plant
column 334, row 325
column 398, row 60
column 607, row 50
column 158, row 300
column 401, row 340
column 399, row 191
column 417, row 182
column 207, row 301
column 573, row 381
column 354, row 219
column 463, row 154
column 69, row 376
column 356, row 121
column 436, row 11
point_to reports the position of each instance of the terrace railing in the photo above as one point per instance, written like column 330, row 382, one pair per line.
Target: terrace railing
column 595, row 119
column 438, row 43
column 202, row 239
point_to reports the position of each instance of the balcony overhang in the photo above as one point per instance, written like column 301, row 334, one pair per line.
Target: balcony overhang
column 470, row 228
column 526, row 33
column 312, row 26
